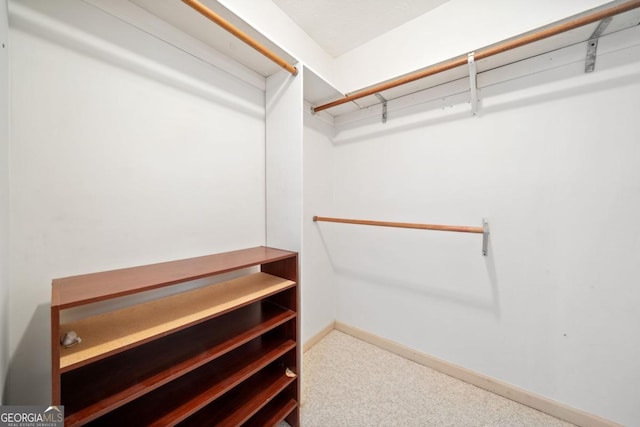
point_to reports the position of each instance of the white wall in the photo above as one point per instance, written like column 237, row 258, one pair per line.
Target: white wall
column 285, row 188
column 299, row 182
column 4, row 193
column 552, row 162
column 283, row 107
column 124, row 151
column 319, row 291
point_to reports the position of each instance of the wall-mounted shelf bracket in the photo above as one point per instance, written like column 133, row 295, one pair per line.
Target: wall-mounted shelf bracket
column 384, row 107
column 485, row 236
column 473, row 82
column 592, row 45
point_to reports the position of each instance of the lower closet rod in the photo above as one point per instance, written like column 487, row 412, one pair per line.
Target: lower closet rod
column 458, row 228
column 484, row 230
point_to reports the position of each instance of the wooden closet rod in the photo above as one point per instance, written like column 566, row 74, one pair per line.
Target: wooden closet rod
column 458, row 228
column 487, row 51
column 484, row 230
column 210, row 14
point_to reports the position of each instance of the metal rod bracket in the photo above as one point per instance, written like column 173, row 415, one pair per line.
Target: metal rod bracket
column 592, row 45
column 473, row 82
column 485, row 236
column 558, row 27
column 384, row 107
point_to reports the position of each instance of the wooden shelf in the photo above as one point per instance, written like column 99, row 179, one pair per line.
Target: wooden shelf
column 239, row 405
column 274, row 413
column 184, row 397
column 114, row 383
column 107, row 333
column 217, row 351
column 87, row 288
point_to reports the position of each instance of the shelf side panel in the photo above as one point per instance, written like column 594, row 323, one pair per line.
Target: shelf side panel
column 286, row 268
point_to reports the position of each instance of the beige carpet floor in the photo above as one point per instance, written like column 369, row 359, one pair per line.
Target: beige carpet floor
column 348, row 382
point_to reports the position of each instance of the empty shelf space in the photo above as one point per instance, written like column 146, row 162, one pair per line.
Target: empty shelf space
column 183, row 397
column 87, row 288
column 105, row 334
column 239, row 405
column 131, row 374
column 275, row 412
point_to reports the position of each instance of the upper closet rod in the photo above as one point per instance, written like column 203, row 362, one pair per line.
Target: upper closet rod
column 204, row 10
column 487, row 51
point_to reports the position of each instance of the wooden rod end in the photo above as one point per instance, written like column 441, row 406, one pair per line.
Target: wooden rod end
column 315, row 218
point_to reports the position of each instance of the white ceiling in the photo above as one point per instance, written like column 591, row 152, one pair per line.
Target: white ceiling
column 336, row 25
column 339, row 26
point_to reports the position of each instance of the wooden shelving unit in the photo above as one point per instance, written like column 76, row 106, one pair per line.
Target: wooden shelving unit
column 226, row 354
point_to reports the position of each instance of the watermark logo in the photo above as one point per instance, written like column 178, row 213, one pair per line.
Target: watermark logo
column 31, row 416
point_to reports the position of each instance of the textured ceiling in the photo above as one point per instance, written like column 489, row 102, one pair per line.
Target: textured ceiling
column 341, row 25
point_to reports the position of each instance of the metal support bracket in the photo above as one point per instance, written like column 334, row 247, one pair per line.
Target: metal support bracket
column 384, row 107
column 485, row 236
column 592, row 45
column 473, row 82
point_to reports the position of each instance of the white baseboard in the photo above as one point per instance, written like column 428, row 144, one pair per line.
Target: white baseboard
column 509, row 391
